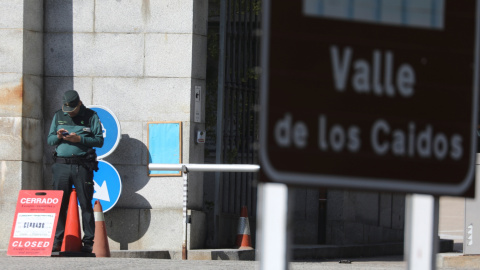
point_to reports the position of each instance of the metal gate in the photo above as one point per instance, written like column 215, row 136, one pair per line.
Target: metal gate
column 237, row 131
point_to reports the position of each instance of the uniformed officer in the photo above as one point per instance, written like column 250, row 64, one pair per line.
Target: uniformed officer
column 75, row 130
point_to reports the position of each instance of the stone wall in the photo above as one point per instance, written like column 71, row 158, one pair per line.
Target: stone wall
column 21, row 99
column 141, row 59
column 355, row 217
column 347, row 217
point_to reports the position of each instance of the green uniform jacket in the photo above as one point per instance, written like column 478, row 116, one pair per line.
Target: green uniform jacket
column 86, row 124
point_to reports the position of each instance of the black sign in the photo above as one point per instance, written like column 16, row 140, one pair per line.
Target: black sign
column 370, row 97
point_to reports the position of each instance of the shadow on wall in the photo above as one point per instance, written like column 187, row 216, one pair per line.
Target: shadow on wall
column 130, row 218
column 58, row 69
column 127, row 223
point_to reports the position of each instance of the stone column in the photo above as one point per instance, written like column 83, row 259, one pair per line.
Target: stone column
column 21, row 100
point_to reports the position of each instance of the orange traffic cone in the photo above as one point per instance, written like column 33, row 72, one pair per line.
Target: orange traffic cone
column 72, row 240
column 100, row 242
column 243, row 235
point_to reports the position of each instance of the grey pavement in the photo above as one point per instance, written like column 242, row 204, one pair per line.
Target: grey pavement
column 6, row 262
column 386, row 262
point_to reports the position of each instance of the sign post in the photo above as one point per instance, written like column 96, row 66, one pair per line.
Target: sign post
column 34, row 223
column 421, row 231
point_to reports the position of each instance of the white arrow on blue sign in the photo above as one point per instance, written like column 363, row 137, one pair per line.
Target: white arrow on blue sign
column 107, row 185
column 110, row 129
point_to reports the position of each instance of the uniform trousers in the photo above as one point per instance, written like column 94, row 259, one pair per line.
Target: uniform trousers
column 64, row 176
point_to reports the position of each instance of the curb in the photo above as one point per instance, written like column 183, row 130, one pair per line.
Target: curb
column 458, row 260
column 222, row 254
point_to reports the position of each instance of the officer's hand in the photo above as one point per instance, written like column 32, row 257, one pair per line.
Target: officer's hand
column 59, row 133
column 73, row 137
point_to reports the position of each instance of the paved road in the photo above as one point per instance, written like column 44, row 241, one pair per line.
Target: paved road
column 135, row 263
column 53, row 263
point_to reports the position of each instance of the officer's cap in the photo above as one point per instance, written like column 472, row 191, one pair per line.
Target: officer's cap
column 70, row 101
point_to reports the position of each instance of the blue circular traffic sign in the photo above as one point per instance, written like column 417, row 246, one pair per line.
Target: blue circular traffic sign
column 107, row 185
column 110, row 129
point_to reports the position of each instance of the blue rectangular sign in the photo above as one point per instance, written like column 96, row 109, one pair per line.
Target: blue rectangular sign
column 164, row 145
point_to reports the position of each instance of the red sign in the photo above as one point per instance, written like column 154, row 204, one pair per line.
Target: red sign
column 373, row 95
column 35, row 221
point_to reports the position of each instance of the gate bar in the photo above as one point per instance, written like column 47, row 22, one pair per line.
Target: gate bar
column 186, row 168
column 205, row 167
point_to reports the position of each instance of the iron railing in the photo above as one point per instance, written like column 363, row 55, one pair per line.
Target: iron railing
column 237, row 123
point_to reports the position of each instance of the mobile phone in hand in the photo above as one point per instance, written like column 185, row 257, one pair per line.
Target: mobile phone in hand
column 65, row 133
